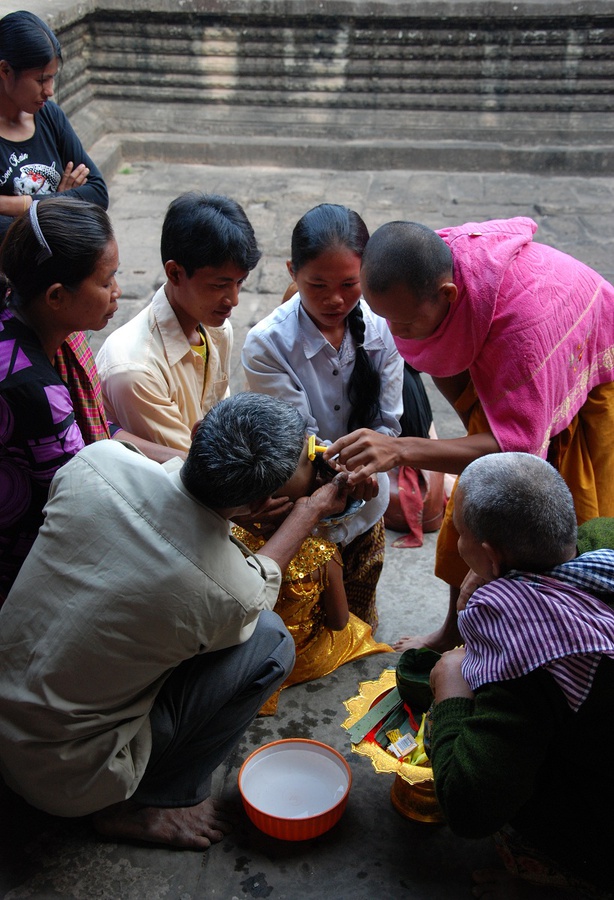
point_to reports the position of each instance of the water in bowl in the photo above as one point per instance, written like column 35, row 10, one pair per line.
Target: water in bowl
column 295, row 784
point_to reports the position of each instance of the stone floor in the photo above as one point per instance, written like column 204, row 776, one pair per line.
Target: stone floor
column 373, row 851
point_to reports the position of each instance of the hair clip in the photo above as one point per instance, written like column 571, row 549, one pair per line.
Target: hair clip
column 314, row 453
column 313, row 448
column 45, row 251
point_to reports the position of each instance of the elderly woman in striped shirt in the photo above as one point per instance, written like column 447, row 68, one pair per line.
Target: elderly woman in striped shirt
column 526, row 705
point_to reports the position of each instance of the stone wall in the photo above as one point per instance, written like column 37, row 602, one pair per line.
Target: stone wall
column 323, row 61
column 465, row 84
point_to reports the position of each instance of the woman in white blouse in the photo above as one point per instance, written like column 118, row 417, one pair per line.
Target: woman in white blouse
column 325, row 352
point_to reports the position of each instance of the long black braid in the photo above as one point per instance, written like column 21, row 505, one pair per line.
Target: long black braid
column 365, row 382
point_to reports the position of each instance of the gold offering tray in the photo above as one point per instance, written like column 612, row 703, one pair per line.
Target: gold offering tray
column 369, row 692
column 413, row 791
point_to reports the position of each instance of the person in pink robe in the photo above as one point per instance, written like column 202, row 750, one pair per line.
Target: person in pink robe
column 519, row 337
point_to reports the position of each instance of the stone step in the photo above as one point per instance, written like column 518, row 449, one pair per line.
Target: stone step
column 348, row 155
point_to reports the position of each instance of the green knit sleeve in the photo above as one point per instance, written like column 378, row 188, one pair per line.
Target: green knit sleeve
column 485, row 753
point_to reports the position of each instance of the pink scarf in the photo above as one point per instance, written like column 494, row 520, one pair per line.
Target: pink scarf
column 533, row 326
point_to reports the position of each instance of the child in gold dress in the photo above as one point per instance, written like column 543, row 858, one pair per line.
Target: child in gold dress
column 312, row 601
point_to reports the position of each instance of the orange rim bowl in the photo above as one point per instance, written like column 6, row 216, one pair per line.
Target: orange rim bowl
column 295, row 789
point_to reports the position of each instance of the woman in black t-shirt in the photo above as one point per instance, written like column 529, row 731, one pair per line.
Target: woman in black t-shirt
column 40, row 154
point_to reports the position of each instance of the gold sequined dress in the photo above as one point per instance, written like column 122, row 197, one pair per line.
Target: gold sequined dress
column 319, row 649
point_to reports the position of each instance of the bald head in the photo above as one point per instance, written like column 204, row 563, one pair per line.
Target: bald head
column 521, row 505
column 406, row 254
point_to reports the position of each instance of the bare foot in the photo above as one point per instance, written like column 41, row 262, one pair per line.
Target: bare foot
column 436, row 640
column 498, row 884
column 192, row 827
column 409, row 643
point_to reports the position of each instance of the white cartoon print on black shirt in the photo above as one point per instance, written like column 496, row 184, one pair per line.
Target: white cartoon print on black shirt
column 36, row 178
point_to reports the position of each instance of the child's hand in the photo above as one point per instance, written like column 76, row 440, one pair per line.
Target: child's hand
column 447, row 678
column 366, row 490
column 363, row 490
column 331, row 498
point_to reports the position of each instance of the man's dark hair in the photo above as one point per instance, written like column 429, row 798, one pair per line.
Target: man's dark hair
column 208, row 230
